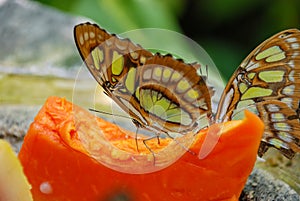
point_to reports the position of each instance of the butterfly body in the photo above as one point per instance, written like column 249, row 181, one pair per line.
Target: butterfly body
column 166, row 95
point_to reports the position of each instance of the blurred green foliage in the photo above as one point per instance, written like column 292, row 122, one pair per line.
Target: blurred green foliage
column 227, row 29
column 119, row 15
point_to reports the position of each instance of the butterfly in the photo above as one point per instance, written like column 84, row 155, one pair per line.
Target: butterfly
column 267, row 82
column 160, row 93
column 166, row 95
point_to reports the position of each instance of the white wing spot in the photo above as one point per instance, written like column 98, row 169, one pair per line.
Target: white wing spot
column 291, row 63
column 281, row 126
column 147, row 74
column 291, row 40
column 291, row 76
column 285, row 136
column 142, row 59
column 81, row 40
column 278, row 143
column 295, row 45
column 86, row 36
column 288, row 101
column 134, row 55
column 273, row 108
column 295, row 54
column 121, row 46
column 289, row 90
column 92, row 34
column 244, row 64
column 252, row 65
column 277, row 117
column 109, row 41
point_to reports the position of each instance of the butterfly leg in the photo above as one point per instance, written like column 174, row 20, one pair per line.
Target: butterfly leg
column 152, row 152
column 136, row 140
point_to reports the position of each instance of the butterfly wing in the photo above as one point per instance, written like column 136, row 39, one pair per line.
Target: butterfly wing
column 159, row 92
column 267, row 82
column 109, row 59
column 180, row 99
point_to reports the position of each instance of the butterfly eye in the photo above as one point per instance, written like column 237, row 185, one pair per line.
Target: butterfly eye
column 107, row 85
column 136, row 123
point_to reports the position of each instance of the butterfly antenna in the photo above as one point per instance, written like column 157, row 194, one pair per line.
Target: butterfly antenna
column 102, row 112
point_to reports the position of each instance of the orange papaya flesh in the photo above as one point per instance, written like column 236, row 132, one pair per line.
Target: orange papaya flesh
column 59, row 165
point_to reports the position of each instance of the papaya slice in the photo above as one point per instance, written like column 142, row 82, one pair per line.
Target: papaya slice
column 62, row 159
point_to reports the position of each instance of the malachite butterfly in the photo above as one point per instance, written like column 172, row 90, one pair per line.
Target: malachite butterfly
column 166, row 95
column 268, row 83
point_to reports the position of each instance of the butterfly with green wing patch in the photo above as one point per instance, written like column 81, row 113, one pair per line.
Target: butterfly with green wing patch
column 268, row 83
column 160, row 93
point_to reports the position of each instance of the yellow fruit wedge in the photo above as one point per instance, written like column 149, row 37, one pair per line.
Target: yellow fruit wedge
column 13, row 183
